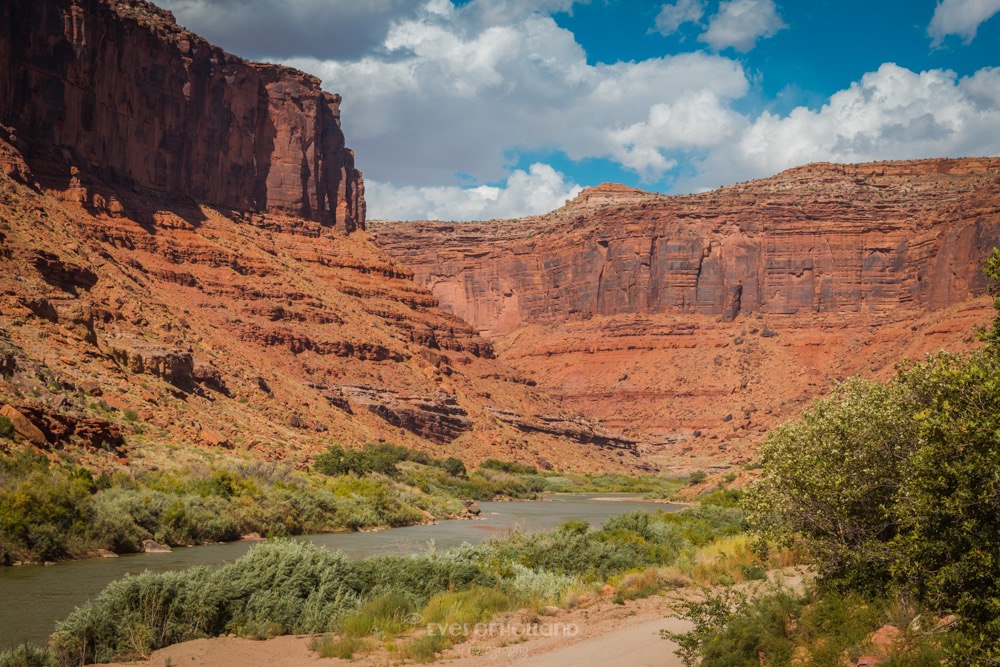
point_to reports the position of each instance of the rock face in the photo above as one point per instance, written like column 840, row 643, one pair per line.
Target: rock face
column 693, row 324
column 175, row 269
column 110, row 93
column 822, row 238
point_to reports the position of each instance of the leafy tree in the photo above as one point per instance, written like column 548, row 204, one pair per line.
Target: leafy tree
column 948, row 550
column 454, row 467
column 829, row 480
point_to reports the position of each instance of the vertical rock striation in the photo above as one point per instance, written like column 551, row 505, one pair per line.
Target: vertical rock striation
column 116, row 91
column 817, row 239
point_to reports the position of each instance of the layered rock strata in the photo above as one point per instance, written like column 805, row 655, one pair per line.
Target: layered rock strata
column 697, row 322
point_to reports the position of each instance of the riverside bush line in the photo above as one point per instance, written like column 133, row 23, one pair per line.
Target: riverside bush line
column 296, row 587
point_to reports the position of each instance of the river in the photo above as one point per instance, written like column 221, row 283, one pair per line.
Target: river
column 34, row 597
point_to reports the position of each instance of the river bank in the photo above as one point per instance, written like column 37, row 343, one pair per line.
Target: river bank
column 36, row 596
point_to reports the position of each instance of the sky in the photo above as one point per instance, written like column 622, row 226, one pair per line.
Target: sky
column 480, row 109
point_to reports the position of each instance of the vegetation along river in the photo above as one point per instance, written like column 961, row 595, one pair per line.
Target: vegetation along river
column 33, row 598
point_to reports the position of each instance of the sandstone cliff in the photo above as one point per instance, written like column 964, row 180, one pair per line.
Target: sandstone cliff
column 176, row 278
column 112, row 94
column 699, row 321
column 822, row 238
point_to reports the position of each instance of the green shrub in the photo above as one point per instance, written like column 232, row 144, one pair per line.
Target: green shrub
column 6, row 427
column 510, row 467
column 722, row 498
column 697, row 477
column 830, row 480
column 27, row 655
column 385, row 616
column 344, row 648
column 454, row 467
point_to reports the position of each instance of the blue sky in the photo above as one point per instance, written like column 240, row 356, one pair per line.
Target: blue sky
column 494, row 108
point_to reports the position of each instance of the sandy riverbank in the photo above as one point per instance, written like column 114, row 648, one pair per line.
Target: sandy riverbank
column 599, row 634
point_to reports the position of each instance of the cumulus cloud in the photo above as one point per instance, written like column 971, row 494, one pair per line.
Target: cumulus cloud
column 672, row 17
column 892, row 113
column 537, row 190
column 960, row 17
column 740, row 23
column 455, row 97
column 319, row 28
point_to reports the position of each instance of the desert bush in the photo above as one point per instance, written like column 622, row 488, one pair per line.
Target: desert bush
column 736, row 628
column 453, row 467
column 511, row 467
column 27, row 655
column 697, row 477
column 345, row 648
column 6, row 427
column 722, row 497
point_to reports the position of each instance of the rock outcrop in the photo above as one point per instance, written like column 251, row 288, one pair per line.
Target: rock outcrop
column 660, row 316
column 109, row 94
column 437, row 418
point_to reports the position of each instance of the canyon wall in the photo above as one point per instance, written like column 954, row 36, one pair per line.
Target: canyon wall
column 694, row 324
column 104, row 94
column 817, row 239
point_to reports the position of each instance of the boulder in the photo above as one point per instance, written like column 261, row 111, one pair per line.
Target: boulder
column 91, row 387
column 152, row 547
column 23, row 426
column 213, row 438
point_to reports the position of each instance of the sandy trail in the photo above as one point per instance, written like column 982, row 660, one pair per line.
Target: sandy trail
column 606, row 634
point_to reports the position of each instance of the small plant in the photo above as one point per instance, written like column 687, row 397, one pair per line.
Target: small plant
column 697, row 477
column 131, row 415
column 344, row 648
column 710, row 616
column 27, row 655
column 6, row 427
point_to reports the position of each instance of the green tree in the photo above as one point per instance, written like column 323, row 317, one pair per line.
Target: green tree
column 454, row 467
column 948, row 550
column 829, row 480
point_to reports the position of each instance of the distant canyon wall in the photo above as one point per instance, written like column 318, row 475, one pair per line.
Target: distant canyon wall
column 816, row 239
column 115, row 93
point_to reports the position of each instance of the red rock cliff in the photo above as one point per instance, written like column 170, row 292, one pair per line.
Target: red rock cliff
column 695, row 323
column 117, row 91
column 820, row 238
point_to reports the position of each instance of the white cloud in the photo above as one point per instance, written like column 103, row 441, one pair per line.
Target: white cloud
column 672, row 17
column 740, row 23
column 960, row 17
column 538, row 190
column 892, row 113
column 453, row 96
